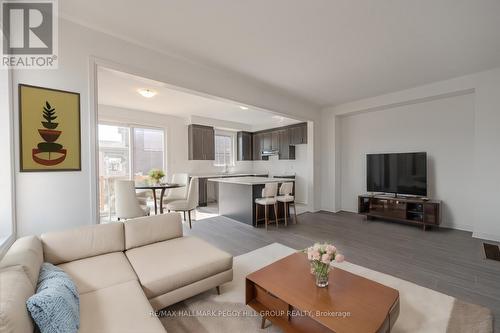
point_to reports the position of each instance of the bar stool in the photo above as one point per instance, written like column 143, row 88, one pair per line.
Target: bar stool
column 268, row 198
column 285, row 196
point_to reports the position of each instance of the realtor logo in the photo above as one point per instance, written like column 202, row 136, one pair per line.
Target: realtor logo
column 29, row 34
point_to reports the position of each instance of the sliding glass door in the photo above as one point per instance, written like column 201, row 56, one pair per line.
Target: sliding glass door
column 148, row 151
column 126, row 152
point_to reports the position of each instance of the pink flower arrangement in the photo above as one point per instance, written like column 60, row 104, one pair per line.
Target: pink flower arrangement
column 321, row 255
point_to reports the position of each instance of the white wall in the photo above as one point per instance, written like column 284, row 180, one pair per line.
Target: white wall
column 327, row 148
column 443, row 128
column 60, row 200
column 487, row 156
column 7, row 216
column 484, row 180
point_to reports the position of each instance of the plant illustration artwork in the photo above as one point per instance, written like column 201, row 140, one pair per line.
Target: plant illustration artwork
column 49, row 129
column 49, row 152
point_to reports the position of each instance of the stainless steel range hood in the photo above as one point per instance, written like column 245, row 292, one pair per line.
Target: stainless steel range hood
column 270, row 152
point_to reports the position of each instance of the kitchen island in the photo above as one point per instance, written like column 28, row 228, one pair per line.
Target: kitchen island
column 203, row 196
column 237, row 196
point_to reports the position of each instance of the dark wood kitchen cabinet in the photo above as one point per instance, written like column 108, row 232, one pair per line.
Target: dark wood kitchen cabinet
column 244, row 146
column 266, row 141
column 286, row 151
column 257, row 145
column 275, row 143
column 250, row 145
column 201, row 142
column 202, row 192
column 298, row 134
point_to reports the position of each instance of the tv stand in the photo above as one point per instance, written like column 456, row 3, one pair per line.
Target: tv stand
column 403, row 209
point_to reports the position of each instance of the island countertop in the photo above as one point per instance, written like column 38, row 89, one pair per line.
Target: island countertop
column 229, row 174
column 250, row 180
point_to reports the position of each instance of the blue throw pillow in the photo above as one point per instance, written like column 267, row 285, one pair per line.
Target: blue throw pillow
column 55, row 307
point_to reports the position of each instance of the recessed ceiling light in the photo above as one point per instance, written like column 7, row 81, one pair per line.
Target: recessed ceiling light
column 243, row 107
column 279, row 118
column 148, row 93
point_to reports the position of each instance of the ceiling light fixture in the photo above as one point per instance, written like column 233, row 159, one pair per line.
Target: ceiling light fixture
column 243, row 107
column 146, row 93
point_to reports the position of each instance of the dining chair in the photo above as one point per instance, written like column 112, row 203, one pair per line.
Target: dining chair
column 179, row 193
column 126, row 203
column 143, row 196
column 189, row 203
column 268, row 198
column 285, row 196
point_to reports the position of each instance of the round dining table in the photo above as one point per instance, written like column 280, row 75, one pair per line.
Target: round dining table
column 162, row 188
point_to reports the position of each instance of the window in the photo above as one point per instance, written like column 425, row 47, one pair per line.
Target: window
column 148, row 150
column 223, row 150
column 114, row 152
column 126, row 152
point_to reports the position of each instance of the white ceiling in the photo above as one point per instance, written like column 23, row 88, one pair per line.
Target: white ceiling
column 325, row 51
column 121, row 90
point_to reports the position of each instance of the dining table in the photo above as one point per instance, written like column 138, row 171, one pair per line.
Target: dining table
column 162, row 188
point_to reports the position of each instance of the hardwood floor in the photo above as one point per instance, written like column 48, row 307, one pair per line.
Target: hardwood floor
column 446, row 260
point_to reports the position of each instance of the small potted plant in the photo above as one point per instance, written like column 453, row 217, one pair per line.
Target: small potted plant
column 156, row 175
column 320, row 256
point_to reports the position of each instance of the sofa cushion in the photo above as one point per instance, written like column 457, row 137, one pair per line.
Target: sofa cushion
column 177, row 295
column 165, row 266
column 151, row 229
column 15, row 289
column 98, row 272
column 122, row 308
column 55, row 307
column 64, row 246
column 28, row 253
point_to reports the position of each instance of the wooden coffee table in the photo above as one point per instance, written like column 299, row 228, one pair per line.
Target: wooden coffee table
column 286, row 294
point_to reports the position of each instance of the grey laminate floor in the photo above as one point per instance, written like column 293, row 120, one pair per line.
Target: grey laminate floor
column 449, row 261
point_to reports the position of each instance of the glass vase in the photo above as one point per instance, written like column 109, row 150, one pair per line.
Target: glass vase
column 322, row 277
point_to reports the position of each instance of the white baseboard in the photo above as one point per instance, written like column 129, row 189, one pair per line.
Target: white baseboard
column 464, row 227
column 328, row 210
column 486, row 236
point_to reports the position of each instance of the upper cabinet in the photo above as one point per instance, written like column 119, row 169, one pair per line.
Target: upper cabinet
column 275, row 143
column 244, row 146
column 258, row 146
column 298, row 134
column 281, row 140
column 201, row 142
column 255, row 147
column 249, row 145
column 286, row 151
column 266, row 141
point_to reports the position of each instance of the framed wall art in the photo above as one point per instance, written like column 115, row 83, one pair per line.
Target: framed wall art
column 49, row 129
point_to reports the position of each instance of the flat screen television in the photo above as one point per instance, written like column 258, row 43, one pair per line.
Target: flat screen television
column 401, row 173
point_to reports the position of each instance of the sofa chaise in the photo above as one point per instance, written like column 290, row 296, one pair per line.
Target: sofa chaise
column 123, row 272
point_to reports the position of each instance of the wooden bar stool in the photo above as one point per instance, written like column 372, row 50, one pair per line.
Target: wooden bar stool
column 285, row 196
column 268, row 198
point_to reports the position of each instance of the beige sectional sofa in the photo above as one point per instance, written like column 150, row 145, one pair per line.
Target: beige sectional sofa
column 123, row 272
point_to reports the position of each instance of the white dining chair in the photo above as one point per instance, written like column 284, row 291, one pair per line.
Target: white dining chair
column 188, row 204
column 268, row 199
column 143, row 196
column 126, row 203
column 179, row 193
column 286, row 197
